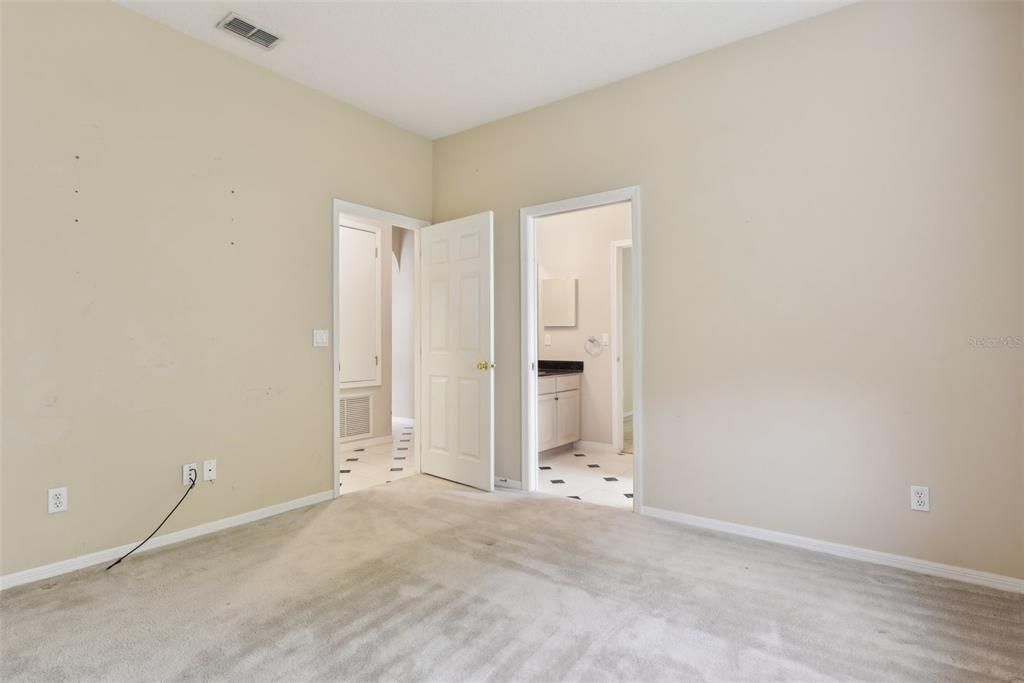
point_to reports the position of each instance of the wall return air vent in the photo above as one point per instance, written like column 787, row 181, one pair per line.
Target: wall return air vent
column 354, row 418
column 244, row 28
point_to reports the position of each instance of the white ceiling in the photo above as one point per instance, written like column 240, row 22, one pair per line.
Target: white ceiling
column 438, row 68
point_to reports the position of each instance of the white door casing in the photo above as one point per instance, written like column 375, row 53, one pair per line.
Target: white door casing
column 457, row 373
column 618, row 340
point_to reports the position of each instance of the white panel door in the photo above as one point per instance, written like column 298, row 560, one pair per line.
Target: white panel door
column 358, row 307
column 457, row 376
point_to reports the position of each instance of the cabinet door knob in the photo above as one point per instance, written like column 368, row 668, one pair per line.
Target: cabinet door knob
column 484, row 365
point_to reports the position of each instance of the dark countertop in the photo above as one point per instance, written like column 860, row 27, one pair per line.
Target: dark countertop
column 546, row 368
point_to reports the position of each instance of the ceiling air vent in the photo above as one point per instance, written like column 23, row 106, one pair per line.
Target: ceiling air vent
column 233, row 23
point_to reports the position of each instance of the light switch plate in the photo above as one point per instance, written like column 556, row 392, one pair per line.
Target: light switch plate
column 321, row 338
column 547, row 340
column 604, row 339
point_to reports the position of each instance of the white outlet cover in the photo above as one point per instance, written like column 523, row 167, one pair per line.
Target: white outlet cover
column 321, row 338
column 919, row 498
column 57, row 499
column 209, row 470
column 186, row 473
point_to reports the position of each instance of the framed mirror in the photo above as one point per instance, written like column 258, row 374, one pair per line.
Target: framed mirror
column 558, row 302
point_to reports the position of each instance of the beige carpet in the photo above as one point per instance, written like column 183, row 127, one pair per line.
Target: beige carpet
column 424, row 580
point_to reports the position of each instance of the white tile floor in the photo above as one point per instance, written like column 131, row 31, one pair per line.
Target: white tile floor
column 381, row 464
column 596, row 475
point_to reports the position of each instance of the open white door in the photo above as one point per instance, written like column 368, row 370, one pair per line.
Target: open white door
column 456, row 375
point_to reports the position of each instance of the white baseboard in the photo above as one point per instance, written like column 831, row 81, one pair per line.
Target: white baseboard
column 503, row 483
column 591, row 444
column 349, row 446
column 402, row 421
column 946, row 571
column 81, row 562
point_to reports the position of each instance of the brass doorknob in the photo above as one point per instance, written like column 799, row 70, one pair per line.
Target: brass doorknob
column 483, row 365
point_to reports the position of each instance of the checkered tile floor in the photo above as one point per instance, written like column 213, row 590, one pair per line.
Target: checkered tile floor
column 380, row 464
column 596, row 475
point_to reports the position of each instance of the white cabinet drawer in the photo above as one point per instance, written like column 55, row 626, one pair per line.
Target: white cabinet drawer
column 547, row 385
column 567, row 382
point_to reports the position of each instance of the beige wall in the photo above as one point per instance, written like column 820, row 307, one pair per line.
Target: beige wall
column 830, row 213
column 166, row 254
column 578, row 245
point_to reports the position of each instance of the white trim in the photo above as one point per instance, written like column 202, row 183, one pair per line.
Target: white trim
column 82, row 561
column 529, row 308
column 402, row 421
column 946, row 571
column 339, row 207
column 617, row 253
column 528, row 325
column 503, row 483
column 349, row 446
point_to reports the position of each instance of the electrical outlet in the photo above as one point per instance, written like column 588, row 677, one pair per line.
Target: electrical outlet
column 57, row 499
column 209, row 470
column 188, row 473
column 919, row 498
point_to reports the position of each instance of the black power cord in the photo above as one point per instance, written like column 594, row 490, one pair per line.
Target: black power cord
column 192, row 485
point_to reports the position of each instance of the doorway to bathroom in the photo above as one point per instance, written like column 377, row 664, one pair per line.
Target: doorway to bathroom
column 580, row 292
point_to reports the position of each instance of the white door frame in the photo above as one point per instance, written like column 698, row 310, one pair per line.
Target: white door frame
column 359, row 211
column 618, row 249
column 528, row 300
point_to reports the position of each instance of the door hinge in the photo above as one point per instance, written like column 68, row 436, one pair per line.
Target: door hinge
column 376, row 360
